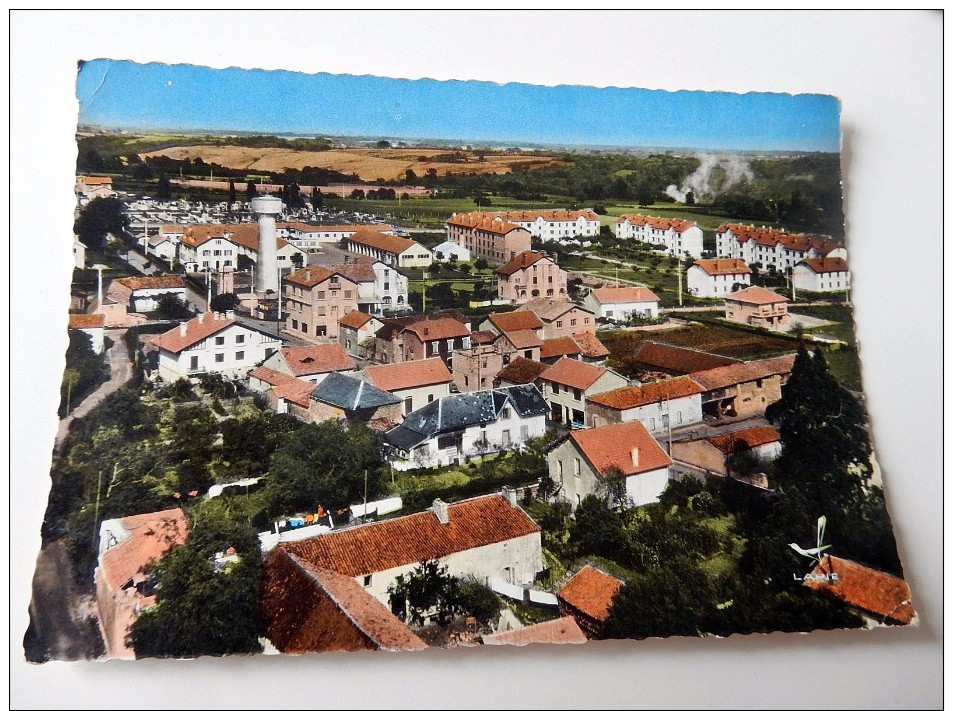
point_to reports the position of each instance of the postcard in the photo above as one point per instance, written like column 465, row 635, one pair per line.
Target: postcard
column 359, row 363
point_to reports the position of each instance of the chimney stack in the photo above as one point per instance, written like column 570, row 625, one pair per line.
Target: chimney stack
column 441, row 510
column 635, row 456
column 202, row 317
column 509, row 493
column 183, row 328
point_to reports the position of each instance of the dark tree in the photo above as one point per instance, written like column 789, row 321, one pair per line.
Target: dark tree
column 231, row 194
column 673, row 599
column 598, row 530
column 224, row 302
column 100, row 217
column 164, row 188
column 298, row 260
column 171, row 306
column 142, row 172
column 427, row 591
column 317, row 199
column 251, row 190
column 249, row 442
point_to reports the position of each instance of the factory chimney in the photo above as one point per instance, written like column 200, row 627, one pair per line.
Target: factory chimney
column 266, row 207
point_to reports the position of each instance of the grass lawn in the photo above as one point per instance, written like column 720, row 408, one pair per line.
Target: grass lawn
column 841, row 315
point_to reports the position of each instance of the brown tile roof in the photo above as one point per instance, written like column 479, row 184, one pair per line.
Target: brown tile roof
column 285, row 386
column 546, row 215
column 438, row 329
column 173, row 229
column 562, row 630
column 728, row 375
column 756, row 295
column 523, row 338
column 623, row 294
column 515, row 321
column 771, row 237
column 522, row 371
column 879, row 594
column 647, row 393
column 554, row 347
column 311, row 276
column 627, row 447
column 246, row 235
column 197, row 235
column 152, row 536
column 717, row 267
column 678, row 358
column 312, row 360
column 550, row 309
column 169, row 281
column 96, row 180
column 483, row 222
column 479, row 338
column 521, row 261
column 87, row 320
column 198, row 329
column 573, row 373
column 590, row 345
column 408, row 540
column 409, row 374
column 355, row 319
column 825, row 265
column 659, row 223
column 590, row 591
column 378, row 240
column 745, row 439
column 358, row 272
column 310, row 609
column 305, row 227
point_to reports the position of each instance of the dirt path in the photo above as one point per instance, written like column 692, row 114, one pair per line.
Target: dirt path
column 120, row 370
column 63, row 625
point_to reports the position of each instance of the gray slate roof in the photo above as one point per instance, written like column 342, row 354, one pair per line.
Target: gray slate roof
column 351, row 393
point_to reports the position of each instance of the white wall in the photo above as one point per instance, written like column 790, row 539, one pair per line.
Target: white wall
column 212, row 357
column 709, row 286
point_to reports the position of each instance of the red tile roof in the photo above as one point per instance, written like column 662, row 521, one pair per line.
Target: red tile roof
column 355, row 319
column 825, row 265
column 678, row 358
column 627, row 447
column 546, row 215
column 314, row 275
column 522, row 371
column 523, row 338
column 717, row 267
column 198, row 329
column 409, row 374
column 311, row 609
column 523, row 260
column 483, row 222
column 590, row 345
column 479, row 338
column 551, row 309
column 246, row 235
column 573, row 373
column 647, row 393
column 169, row 281
column 659, row 223
column 880, row 594
column 438, row 329
column 554, row 347
column 87, row 320
column 312, row 360
column 745, row 439
column 378, row 240
column 562, row 630
column 96, row 180
column 728, row 375
column 285, row 386
column 152, row 536
column 771, row 237
column 590, row 591
column 515, row 321
column 623, row 294
column 408, row 540
column 756, row 295
column 358, row 271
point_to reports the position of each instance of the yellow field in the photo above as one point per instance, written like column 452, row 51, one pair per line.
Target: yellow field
column 368, row 164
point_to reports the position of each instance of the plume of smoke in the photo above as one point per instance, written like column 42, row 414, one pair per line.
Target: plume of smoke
column 699, row 182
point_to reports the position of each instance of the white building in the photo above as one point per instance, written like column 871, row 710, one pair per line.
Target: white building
column 142, row 294
column 79, row 254
column 620, row 303
column 390, row 249
column 488, row 537
column 380, row 287
column 661, row 406
column 214, row 247
column 415, row 382
column 212, row 343
column 579, row 465
column 679, row 237
column 568, row 383
column 451, row 252
column 310, row 237
column 555, row 225
column 770, row 248
column 94, row 326
column 822, row 274
column 712, row 278
column 463, row 425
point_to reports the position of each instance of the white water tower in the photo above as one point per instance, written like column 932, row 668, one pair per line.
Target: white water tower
column 266, row 208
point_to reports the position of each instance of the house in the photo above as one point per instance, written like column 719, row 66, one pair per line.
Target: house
column 380, row 287
column 143, row 294
column 90, row 187
column 679, row 237
column 520, row 371
column 284, row 393
column 310, row 237
column 568, row 384
column 212, row 343
column 488, row 237
column 551, row 225
column 772, row 249
column 584, row 346
column 560, row 317
column 164, row 245
column 451, row 252
column 660, row 359
column 579, row 464
column 355, row 330
column 758, row 307
column 93, row 325
column 475, row 368
column 660, row 406
column 124, row 585
column 79, row 254
column 208, row 247
column 562, row 630
column 881, row 598
column 621, row 303
column 418, row 337
column 591, row 349
column 390, row 249
column 587, row 597
column 311, row 363
column 315, row 299
column 487, row 537
column 711, row 278
column 354, row 399
column 821, row 274
column 463, row 425
column 513, row 322
column 713, row 454
column 415, row 382
column 245, row 237
column 531, row 275
column 743, row 389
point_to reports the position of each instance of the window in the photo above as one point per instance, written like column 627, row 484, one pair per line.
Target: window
column 347, row 293
column 219, row 340
column 240, row 338
column 304, row 327
column 506, row 438
column 386, row 286
column 555, row 388
column 430, row 397
column 559, row 468
column 559, row 324
column 194, row 363
column 334, row 280
column 678, row 418
column 294, row 323
column 367, row 580
column 524, row 432
column 320, row 296
column 577, row 471
column 505, row 413
column 408, row 405
column 576, row 393
column 239, row 355
column 572, row 322
column 219, row 357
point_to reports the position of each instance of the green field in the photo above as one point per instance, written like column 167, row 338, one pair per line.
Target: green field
column 433, row 212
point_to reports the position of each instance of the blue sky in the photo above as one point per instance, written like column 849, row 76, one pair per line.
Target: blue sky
column 162, row 96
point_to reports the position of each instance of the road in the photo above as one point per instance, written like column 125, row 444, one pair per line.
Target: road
column 120, row 370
